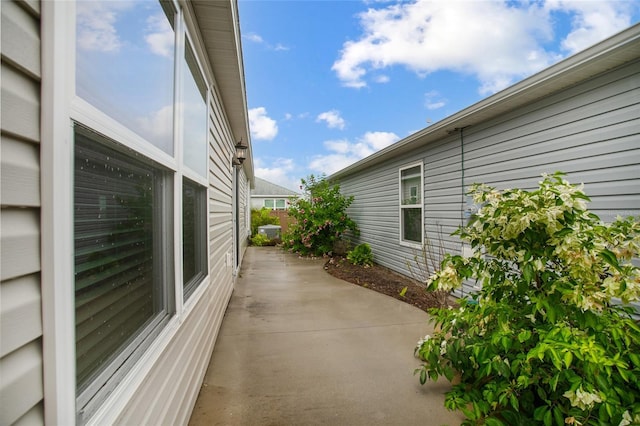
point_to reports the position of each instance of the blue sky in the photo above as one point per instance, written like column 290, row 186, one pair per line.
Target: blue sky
column 330, row 82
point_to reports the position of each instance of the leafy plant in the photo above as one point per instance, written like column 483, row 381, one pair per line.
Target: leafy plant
column 546, row 340
column 320, row 218
column 260, row 240
column 260, row 217
column 361, row 255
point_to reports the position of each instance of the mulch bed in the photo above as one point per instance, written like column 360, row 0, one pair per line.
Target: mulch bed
column 385, row 281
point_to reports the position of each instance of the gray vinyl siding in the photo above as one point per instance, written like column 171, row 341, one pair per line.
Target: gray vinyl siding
column 590, row 131
column 21, row 383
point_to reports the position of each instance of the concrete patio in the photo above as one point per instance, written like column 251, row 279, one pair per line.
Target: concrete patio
column 300, row 347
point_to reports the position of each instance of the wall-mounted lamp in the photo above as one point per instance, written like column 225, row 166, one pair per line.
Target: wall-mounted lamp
column 241, row 151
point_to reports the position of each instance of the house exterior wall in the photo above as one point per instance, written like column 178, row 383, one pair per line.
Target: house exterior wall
column 162, row 387
column 21, row 383
column 589, row 131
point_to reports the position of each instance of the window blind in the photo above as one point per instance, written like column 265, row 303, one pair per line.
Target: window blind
column 116, row 283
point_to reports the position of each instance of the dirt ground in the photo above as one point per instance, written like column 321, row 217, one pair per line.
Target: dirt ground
column 385, row 281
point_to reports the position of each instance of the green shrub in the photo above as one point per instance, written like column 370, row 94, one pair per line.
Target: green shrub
column 361, row 255
column 320, row 218
column 543, row 341
column 260, row 217
column 260, row 240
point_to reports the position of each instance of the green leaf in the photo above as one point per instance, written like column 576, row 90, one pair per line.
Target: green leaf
column 528, row 273
column 423, row 376
column 540, row 412
column 568, row 357
column 635, row 359
column 492, row 421
column 609, row 257
column 524, row 335
column 403, row 291
column 547, row 418
column 557, row 415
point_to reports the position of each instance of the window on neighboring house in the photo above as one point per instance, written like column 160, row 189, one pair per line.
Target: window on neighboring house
column 275, row 204
column 130, row 165
column 411, row 205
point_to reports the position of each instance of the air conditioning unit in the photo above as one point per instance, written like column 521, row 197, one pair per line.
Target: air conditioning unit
column 270, row 231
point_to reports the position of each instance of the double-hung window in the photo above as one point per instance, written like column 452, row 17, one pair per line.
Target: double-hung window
column 139, row 119
column 411, row 205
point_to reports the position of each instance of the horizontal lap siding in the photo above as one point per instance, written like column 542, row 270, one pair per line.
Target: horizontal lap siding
column 590, row 131
column 21, row 385
column 376, row 211
column 169, row 393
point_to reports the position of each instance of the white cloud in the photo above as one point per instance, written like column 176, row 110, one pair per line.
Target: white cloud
column 256, row 38
column 379, row 140
column 592, row 21
column 96, row 25
column 261, row 125
column 288, row 116
column 332, row 118
column 343, row 153
column 279, row 171
column 280, row 47
column 159, row 35
column 433, row 100
column 497, row 42
column 381, row 78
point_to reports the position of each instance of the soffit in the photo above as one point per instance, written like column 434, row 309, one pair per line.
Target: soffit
column 220, row 29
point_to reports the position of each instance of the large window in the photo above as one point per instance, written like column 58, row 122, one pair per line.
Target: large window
column 140, row 143
column 411, row 205
column 120, row 233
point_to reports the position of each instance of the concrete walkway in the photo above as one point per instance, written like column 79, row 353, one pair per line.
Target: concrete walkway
column 300, row 347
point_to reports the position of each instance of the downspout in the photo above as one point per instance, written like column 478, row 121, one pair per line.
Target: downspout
column 463, row 197
column 462, row 192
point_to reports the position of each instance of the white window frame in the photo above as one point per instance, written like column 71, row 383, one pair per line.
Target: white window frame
column 60, row 109
column 420, row 205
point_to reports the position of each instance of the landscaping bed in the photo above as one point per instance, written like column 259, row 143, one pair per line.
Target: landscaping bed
column 385, row 281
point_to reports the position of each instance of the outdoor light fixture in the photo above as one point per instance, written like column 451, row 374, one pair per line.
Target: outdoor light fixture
column 241, row 151
column 235, row 161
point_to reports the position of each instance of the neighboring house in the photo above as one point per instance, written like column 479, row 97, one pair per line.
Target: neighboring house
column 124, row 212
column 270, row 195
column 580, row 116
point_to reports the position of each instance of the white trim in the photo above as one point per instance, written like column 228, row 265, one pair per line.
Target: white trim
column 403, row 242
column 178, row 150
column 92, row 118
column 56, row 161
